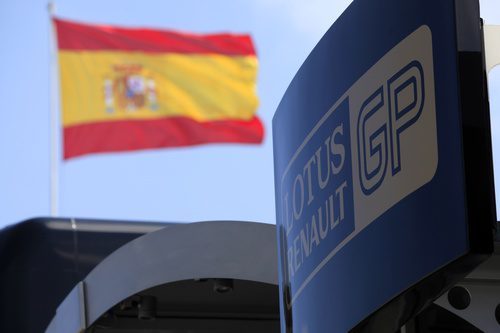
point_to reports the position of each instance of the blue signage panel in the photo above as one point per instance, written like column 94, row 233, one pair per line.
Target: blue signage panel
column 369, row 164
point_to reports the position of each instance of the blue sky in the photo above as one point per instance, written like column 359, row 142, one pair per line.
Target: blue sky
column 182, row 184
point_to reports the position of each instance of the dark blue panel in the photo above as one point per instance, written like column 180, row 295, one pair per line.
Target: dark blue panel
column 386, row 72
column 42, row 259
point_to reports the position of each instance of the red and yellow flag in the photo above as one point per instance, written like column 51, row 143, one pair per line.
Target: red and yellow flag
column 125, row 89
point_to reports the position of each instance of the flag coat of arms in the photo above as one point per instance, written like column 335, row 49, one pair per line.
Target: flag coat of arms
column 125, row 89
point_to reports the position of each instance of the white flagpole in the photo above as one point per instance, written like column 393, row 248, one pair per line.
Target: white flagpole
column 54, row 128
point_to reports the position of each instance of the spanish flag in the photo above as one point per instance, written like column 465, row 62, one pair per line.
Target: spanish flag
column 125, row 89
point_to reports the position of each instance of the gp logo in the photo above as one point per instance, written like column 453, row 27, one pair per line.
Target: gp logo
column 374, row 147
column 383, row 119
column 393, row 127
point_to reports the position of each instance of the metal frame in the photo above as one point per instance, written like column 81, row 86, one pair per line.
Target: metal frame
column 220, row 249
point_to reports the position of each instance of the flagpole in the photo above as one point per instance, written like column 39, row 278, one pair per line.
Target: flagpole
column 54, row 160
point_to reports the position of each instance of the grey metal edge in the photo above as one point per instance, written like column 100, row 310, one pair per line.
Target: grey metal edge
column 216, row 249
